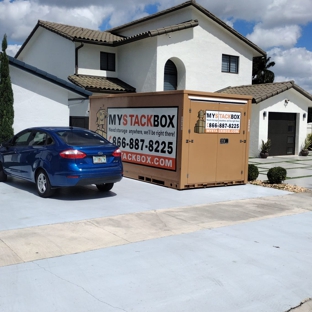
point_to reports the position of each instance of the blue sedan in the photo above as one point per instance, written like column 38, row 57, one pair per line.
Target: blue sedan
column 54, row 157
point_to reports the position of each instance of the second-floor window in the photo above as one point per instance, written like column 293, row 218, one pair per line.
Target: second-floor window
column 171, row 76
column 229, row 64
column 108, row 61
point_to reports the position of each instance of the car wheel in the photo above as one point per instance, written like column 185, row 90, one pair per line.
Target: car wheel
column 43, row 184
column 3, row 176
column 105, row 187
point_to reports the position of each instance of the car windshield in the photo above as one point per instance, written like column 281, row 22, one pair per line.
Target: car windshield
column 81, row 137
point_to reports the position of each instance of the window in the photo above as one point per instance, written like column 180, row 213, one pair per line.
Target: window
column 39, row 139
column 22, row 139
column 108, row 61
column 309, row 114
column 81, row 137
column 171, row 76
column 229, row 64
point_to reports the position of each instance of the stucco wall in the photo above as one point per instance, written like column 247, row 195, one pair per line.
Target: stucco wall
column 198, row 50
column 89, row 60
column 297, row 103
column 137, row 63
column 51, row 53
column 79, row 108
column 254, row 131
column 142, row 63
column 37, row 102
column 201, row 53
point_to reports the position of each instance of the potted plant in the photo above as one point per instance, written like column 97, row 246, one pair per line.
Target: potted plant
column 265, row 147
column 305, row 146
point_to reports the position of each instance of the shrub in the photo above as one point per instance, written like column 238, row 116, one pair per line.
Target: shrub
column 253, row 172
column 265, row 146
column 276, row 175
column 309, row 138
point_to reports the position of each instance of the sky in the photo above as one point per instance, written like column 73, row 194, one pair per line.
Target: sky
column 283, row 28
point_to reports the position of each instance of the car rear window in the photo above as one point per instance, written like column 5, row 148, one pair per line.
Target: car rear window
column 82, row 138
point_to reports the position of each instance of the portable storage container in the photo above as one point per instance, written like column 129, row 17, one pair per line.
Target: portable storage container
column 178, row 139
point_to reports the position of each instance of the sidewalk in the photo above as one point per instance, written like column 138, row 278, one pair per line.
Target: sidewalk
column 299, row 168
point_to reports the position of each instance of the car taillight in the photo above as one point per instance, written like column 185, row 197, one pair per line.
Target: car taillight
column 117, row 153
column 72, row 154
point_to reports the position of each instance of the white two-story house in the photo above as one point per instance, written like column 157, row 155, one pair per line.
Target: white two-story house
column 183, row 47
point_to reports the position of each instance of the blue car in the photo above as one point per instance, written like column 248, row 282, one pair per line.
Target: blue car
column 54, row 157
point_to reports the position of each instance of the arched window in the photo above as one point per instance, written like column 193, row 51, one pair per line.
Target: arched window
column 171, row 76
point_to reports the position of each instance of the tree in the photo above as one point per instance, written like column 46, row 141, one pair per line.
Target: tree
column 6, row 96
column 260, row 70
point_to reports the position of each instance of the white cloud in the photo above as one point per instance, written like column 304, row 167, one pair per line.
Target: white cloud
column 293, row 64
column 250, row 10
column 286, row 36
column 23, row 16
column 12, row 49
column 281, row 12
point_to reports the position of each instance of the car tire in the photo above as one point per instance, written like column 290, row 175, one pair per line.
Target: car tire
column 43, row 184
column 105, row 187
column 3, row 176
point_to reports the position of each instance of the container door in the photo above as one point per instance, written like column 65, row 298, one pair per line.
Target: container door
column 232, row 142
column 217, row 142
column 203, row 146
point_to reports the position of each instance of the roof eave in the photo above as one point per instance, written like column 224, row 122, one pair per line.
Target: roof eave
column 110, row 91
column 48, row 77
column 283, row 86
column 27, row 40
column 150, row 17
column 158, row 32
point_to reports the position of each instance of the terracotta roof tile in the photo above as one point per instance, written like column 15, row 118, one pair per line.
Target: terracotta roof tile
column 261, row 92
column 100, row 84
column 158, row 32
column 79, row 33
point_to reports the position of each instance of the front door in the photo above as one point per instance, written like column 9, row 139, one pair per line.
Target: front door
column 282, row 133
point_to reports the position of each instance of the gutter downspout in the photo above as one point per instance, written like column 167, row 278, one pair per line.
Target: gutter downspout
column 76, row 57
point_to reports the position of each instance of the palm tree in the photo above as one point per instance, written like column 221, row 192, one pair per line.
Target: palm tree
column 260, row 70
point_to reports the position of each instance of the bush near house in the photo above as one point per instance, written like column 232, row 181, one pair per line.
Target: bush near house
column 253, row 172
column 309, row 138
column 276, row 175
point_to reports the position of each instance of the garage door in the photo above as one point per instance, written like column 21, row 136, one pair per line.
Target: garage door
column 282, row 133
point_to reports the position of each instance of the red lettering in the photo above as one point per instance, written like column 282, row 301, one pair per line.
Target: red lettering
column 131, row 119
column 142, row 121
column 124, row 120
column 136, row 121
column 149, row 121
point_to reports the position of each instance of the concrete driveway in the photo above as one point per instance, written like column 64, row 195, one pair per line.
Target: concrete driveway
column 143, row 247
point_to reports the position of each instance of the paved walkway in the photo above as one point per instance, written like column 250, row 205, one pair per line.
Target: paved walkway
column 54, row 240
column 299, row 168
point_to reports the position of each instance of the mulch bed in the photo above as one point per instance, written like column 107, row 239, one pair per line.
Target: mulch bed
column 282, row 186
